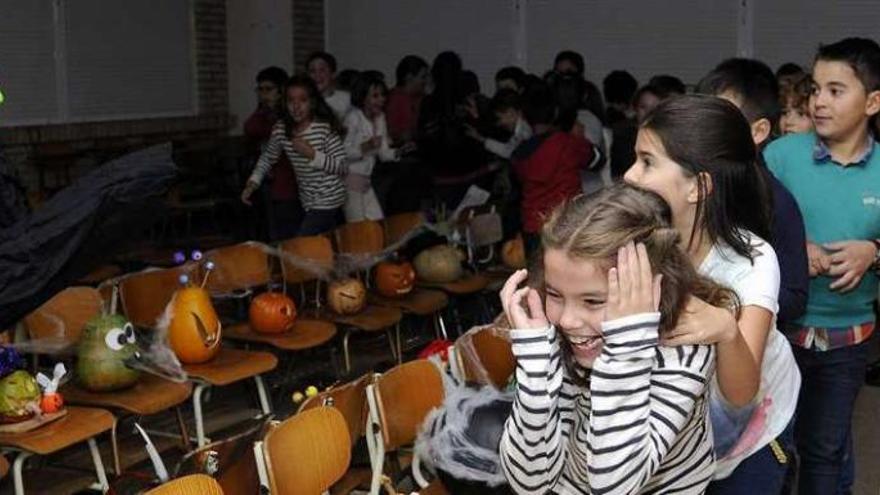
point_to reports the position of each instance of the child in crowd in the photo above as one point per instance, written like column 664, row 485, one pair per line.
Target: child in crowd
column 751, row 86
column 572, row 116
column 366, row 140
column 308, row 134
column 834, row 173
column 283, row 209
column 507, row 107
column 570, row 63
column 794, row 97
column 402, row 109
column 548, row 164
column 619, row 87
column 322, row 69
column 698, row 153
column 510, row 78
column 601, row 406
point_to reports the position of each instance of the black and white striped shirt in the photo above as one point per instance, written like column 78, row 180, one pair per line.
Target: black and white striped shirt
column 640, row 427
column 319, row 179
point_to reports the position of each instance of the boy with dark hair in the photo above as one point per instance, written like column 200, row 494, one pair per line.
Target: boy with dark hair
column 834, row 173
column 321, row 67
column 548, row 164
column 279, row 196
column 751, row 86
column 402, row 109
column 619, row 86
column 510, row 77
column 568, row 62
column 506, row 106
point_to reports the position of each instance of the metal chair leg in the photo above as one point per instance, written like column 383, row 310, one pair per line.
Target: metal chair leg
column 345, row 351
column 181, row 424
column 264, row 397
column 16, row 472
column 114, row 444
column 99, row 465
column 201, row 441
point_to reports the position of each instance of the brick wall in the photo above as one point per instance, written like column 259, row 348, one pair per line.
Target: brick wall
column 21, row 145
column 308, row 30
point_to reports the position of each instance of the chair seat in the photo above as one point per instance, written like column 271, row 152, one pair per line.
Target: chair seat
column 422, row 302
column 353, row 479
column 467, row 284
column 371, row 319
column 434, row 488
column 78, row 425
column 306, row 334
column 150, row 395
column 232, row 365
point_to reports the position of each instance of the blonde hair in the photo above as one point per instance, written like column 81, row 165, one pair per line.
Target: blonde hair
column 595, row 226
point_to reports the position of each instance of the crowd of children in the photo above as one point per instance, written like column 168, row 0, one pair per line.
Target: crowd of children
column 702, row 292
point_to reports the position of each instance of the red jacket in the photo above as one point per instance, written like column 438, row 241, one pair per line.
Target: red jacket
column 548, row 167
column 258, row 128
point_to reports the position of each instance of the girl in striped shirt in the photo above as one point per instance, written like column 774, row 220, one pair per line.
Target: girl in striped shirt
column 601, row 407
column 309, row 135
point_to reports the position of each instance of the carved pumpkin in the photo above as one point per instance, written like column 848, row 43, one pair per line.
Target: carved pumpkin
column 439, row 264
column 272, row 312
column 105, row 348
column 513, row 253
column 347, row 296
column 194, row 330
column 395, row 279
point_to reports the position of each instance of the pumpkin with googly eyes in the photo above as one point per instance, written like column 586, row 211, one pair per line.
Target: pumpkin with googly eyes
column 106, row 351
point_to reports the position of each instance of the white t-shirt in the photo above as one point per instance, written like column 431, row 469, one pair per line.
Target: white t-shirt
column 756, row 285
column 340, row 103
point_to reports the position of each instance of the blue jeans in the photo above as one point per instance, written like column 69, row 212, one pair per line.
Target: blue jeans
column 760, row 473
column 831, row 382
column 316, row 222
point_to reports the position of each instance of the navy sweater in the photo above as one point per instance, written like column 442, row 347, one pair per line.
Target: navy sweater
column 790, row 243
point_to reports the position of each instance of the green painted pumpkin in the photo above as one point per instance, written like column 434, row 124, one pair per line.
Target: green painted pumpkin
column 19, row 397
column 439, row 264
column 106, row 344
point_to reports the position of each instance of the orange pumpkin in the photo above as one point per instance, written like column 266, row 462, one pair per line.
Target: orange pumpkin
column 194, row 331
column 513, row 253
column 395, row 279
column 272, row 312
column 346, row 296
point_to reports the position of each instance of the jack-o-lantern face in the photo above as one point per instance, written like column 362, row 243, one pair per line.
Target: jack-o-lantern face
column 272, row 312
column 347, row 296
column 395, row 279
column 194, row 331
column 513, row 253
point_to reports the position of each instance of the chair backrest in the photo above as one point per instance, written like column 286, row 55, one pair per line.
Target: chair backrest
column 397, row 226
column 485, row 357
column 364, row 237
column 308, row 452
column 238, row 267
column 65, row 315
column 350, row 399
column 313, row 249
column 194, row 484
column 144, row 295
column 405, row 395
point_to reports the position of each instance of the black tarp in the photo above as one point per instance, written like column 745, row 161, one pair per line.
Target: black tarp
column 79, row 227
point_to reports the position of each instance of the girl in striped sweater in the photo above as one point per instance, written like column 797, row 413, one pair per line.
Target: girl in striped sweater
column 600, row 407
column 309, row 135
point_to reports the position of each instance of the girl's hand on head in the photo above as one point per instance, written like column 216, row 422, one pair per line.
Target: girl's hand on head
column 632, row 287
column 702, row 324
column 512, row 301
column 303, row 148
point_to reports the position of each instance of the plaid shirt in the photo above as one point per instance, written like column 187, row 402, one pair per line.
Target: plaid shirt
column 827, row 339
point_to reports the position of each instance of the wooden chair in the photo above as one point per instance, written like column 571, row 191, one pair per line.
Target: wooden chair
column 319, row 250
column 398, row 402
column 230, row 461
column 194, row 484
column 483, row 357
column 64, row 317
column 368, row 238
column 351, row 400
column 243, row 267
column 80, row 424
column 396, row 227
column 305, row 454
column 144, row 296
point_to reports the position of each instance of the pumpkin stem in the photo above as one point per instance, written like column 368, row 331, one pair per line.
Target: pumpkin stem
column 114, row 297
